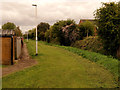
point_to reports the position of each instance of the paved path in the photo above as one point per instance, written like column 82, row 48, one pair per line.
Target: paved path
column 24, row 62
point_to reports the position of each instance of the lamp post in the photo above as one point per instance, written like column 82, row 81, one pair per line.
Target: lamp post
column 36, row 28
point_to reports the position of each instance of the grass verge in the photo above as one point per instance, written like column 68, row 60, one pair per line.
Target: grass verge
column 109, row 63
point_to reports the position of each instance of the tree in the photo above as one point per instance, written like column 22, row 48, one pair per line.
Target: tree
column 47, row 36
column 86, row 29
column 18, row 32
column 32, row 33
column 71, row 34
column 108, row 18
column 42, row 28
column 64, row 32
column 56, row 34
column 8, row 26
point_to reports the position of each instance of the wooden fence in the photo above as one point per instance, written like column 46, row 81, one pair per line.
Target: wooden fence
column 18, row 47
column 11, row 49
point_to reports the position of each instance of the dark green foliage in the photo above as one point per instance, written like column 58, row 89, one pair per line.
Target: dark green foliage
column 42, row 28
column 56, row 32
column 8, row 26
column 86, row 29
column 64, row 32
column 47, row 36
column 69, row 21
column 31, row 33
column 71, row 34
column 91, row 43
column 18, row 32
column 108, row 18
column 12, row 26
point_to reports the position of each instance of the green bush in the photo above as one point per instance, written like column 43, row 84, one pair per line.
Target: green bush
column 91, row 43
column 62, row 35
column 32, row 33
column 108, row 19
column 42, row 28
column 47, row 36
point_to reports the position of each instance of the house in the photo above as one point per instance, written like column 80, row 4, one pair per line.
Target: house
column 91, row 20
column 10, row 45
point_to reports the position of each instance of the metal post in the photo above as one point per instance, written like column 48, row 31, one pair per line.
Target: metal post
column 11, row 50
column 36, row 34
column 36, row 30
column 27, row 36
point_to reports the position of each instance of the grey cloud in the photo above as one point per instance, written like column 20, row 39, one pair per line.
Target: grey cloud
column 23, row 14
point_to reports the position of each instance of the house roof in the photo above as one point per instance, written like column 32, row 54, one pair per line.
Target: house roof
column 83, row 20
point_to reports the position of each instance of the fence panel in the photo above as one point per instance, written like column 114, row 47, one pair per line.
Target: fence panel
column 18, row 41
column 6, row 50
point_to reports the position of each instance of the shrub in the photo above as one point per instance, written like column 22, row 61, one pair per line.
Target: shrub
column 47, row 36
column 63, row 32
column 108, row 19
column 42, row 28
column 90, row 43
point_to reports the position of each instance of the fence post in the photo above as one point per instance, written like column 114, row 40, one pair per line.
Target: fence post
column 11, row 50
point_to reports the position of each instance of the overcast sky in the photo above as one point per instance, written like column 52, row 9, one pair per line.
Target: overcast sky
column 22, row 13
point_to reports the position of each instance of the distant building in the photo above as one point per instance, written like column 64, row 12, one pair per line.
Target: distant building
column 84, row 20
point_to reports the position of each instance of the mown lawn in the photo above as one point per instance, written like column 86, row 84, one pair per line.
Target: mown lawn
column 59, row 68
column 107, row 62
